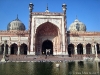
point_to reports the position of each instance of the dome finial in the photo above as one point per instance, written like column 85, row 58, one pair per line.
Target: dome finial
column 76, row 16
column 47, row 8
column 17, row 17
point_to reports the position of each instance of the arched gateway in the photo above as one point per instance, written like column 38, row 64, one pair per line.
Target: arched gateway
column 45, row 34
column 51, row 26
column 47, row 47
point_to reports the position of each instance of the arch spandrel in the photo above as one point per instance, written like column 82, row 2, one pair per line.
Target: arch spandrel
column 23, row 43
column 39, row 22
column 47, row 29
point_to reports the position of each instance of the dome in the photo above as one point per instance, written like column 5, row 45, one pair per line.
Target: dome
column 77, row 26
column 16, row 25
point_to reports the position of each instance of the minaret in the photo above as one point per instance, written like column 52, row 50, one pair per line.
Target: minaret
column 30, row 25
column 65, row 27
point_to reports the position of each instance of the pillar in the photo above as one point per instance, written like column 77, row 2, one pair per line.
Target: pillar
column 9, row 50
column 84, row 50
column 4, row 51
column 75, row 50
column 93, row 52
column 28, row 50
column 18, row 50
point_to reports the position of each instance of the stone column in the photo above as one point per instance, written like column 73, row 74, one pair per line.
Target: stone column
column 84, row 50
column 9, row 50
column 31, row 38
column 18, row 50
column 75, row 50
column 93, row 52
column 27, row 50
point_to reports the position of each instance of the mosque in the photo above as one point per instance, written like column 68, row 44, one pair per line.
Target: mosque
column 48, row 34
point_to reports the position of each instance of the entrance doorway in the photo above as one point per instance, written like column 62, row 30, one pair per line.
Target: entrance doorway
column 2, row 49
column 98, row 48
column 14, row 48
column 70, row 49
column 23, row 49
column 88, row 49
column 47, row 47
column 80, row 49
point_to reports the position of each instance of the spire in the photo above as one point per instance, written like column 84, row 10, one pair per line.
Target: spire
column 76, row 20
column 17, row 17
column 76, row 16
column 47, row 8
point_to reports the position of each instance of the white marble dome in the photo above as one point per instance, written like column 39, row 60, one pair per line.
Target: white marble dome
column 77, row 26
column 16, row 25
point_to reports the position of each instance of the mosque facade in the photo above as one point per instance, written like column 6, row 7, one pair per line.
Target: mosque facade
column 48, row 34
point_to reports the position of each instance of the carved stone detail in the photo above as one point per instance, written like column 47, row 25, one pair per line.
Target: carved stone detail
column 55, row 21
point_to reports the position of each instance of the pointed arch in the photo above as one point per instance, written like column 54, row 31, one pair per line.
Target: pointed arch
column 70, row 49
column 14, row 48
column 6, row 49
column 98, row 48
column 2, row 48
column 88, row 48
column 80, row 48
column 23, row 49
column 45, row 31
column 47, row 44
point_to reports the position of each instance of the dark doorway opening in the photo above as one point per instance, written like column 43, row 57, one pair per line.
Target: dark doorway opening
column 2, row 49
column 80, row 49
column 47, row 45
column 88, row 49
column 98, row 48
column 70, row 49
column 23, row 49
column 14, row 48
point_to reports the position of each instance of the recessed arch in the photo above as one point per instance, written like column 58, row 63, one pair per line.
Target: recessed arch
column 98, row 48
column 88, row 48
column 46, row 23
column 23, row 49
column 80, row 48
column 14, row 48
column 45, row 31
column 70, row 49
column 47, row 45
column 2, row 49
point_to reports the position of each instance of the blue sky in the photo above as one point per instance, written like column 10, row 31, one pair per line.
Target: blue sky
column 87, row 11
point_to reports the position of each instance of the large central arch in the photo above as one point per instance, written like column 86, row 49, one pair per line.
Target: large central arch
column 46, row 31
column 47, row 45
